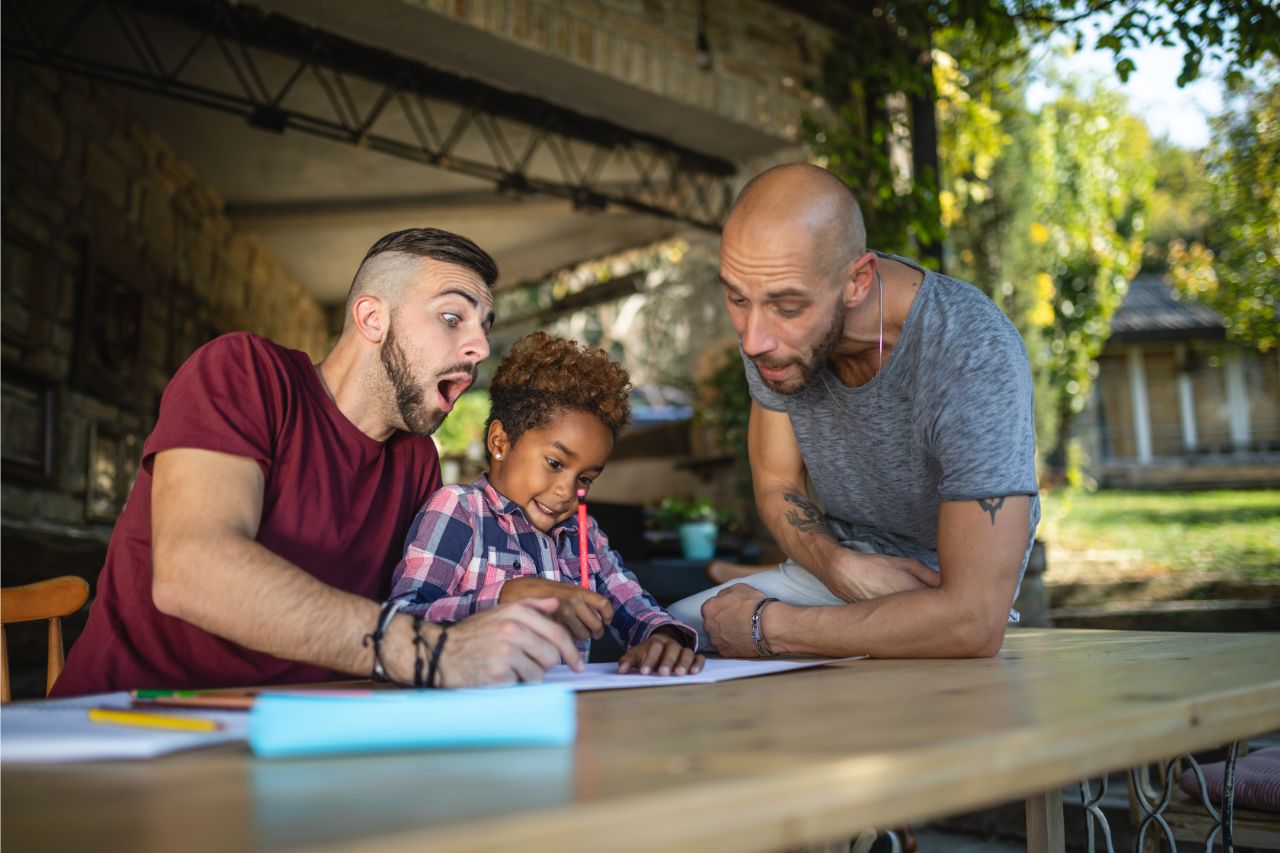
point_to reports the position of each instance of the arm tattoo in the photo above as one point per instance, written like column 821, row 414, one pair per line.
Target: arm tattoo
column 807, row 518
column 991, row 506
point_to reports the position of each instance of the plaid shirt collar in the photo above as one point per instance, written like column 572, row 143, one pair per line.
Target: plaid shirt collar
column 502, row 506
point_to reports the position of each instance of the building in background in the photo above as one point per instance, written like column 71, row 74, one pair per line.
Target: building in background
column 1176, row 405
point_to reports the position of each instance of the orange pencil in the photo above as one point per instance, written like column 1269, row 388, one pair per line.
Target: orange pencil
column 583, row 572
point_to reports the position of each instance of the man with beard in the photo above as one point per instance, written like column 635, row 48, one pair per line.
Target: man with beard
column 274, row 495
column 904, row 398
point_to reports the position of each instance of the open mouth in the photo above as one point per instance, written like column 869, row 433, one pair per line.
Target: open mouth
column 450, row 389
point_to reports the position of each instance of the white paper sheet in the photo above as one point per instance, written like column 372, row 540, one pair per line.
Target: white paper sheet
column 59, row 731
column 604, row 676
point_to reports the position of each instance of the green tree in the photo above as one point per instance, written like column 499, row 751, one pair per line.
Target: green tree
column 1092, row 171
column 878, row 80
column 1055, row 227
column 1237, row 267
column 1179, row 203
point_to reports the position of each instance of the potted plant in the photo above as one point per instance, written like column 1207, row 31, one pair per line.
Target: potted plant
column 697, row 523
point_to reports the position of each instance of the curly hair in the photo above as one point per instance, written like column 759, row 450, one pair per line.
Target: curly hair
column 542, row 376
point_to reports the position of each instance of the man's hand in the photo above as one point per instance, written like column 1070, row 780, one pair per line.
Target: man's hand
column 661, row 653
column 727, row 620
column 582, row 611
column 509, row 643
column 855, row 576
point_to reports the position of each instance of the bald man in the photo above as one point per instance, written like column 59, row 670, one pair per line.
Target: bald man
column 274, row 496
column 904, row 398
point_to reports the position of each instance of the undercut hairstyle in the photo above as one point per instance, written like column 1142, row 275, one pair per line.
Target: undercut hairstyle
column 541, row 377
column 394, row 258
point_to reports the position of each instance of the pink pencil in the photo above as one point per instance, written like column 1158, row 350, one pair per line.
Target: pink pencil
column 583, row 575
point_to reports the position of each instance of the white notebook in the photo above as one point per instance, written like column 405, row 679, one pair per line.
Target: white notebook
column 604, row 676
column 59, row 730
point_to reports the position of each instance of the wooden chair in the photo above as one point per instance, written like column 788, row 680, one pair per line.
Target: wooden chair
column 50, row 599
column 1188, row 819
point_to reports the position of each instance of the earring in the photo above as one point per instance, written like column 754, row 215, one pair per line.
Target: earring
column 497, row 456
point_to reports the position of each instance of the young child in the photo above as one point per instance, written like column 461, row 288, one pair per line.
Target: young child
column 557, row 408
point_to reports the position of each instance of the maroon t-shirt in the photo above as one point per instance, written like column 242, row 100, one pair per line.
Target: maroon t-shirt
column 336, row 503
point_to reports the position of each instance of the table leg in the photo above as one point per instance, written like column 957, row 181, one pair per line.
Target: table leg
column 1044, row 823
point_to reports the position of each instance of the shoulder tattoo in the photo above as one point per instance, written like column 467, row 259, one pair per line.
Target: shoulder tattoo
column 991, row 506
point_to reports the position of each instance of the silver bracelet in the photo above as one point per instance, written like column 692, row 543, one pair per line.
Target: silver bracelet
column 762, row 647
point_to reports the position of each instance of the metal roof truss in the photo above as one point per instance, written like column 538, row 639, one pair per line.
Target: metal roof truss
column 281, row 75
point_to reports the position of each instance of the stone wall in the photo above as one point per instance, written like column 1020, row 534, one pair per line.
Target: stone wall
column 759, row 61
column 118, row 263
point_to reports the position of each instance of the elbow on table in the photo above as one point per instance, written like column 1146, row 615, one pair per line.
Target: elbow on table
column 978, row 635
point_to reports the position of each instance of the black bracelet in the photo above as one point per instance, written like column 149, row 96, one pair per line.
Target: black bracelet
column 385, row 615
column 419, row 651
column 435, row 675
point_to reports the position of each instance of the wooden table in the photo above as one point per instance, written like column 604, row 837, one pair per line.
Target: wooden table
column 752, row 765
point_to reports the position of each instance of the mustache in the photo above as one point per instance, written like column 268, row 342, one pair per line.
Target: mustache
column 771, row 365
column 468, row 367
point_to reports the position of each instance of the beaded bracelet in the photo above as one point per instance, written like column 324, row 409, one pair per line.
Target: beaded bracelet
column 435, row 674
column 385, row 615
column 419, row 651
column 762, row 647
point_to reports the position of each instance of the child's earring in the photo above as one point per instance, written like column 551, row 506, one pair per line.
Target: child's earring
column 497, row 456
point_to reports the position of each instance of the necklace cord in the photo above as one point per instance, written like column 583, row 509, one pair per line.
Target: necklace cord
column 880, row 282
column 880, row 367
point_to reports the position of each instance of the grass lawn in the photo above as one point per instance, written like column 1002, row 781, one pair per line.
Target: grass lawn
column 1115, row 534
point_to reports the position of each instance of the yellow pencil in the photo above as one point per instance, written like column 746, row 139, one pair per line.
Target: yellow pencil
column 114, row 717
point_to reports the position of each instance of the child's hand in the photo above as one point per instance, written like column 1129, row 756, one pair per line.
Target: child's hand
column 583, row 612
column 662, row 653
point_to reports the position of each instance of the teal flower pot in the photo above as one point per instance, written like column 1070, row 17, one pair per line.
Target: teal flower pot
column 698, row 540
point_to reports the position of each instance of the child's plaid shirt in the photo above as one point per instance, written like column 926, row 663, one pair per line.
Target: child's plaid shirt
column 467, row 541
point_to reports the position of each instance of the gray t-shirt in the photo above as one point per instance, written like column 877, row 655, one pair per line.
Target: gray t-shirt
column 948, row 418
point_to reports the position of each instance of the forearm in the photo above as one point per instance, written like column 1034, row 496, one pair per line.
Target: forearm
column 798, row 527
column 233, row 587
column 925, row 623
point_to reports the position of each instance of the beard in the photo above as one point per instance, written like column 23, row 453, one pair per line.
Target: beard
column 810, row 366
column 415, row 415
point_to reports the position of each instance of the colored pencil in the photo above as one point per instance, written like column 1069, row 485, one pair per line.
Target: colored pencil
column 583, row 573
column 227, row 700
column 139, row 719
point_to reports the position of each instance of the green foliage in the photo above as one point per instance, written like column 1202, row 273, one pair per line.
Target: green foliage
column 1237, row 268
column 970, row 138
column 673, row 512
column 869, row 82
column 983, row 147
column 1179, row 208
column 1237, row 33
column 464, row 425
column 1093, row 178
column 1056, row 230
column 1232, row 532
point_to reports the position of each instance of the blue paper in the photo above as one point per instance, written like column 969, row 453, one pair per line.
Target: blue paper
column 284, row 724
